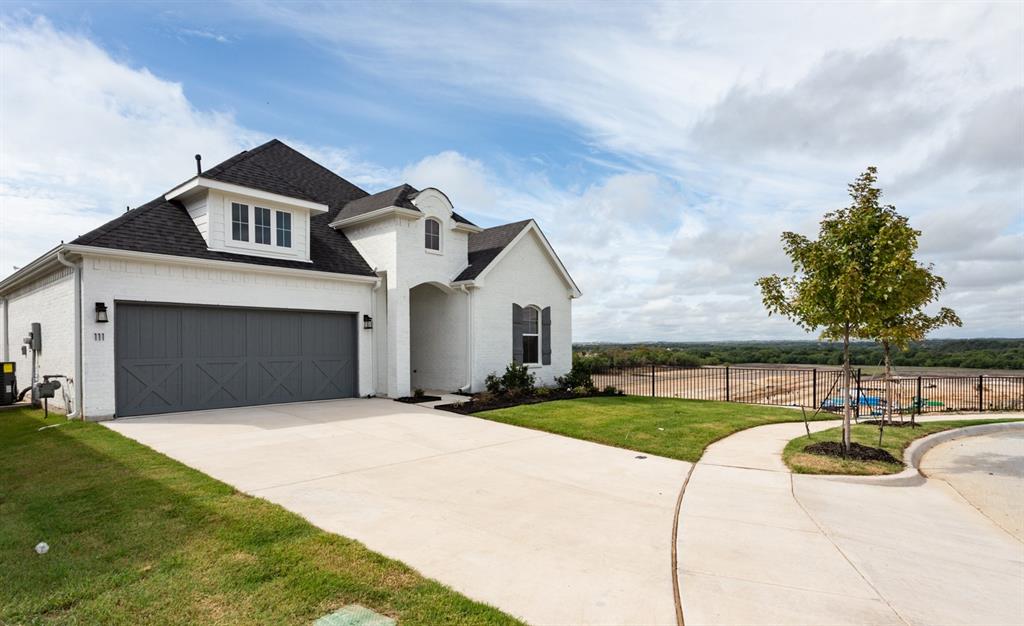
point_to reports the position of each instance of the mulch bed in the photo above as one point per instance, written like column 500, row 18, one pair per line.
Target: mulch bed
column 858, row 452
column 417, row 399
column 903, row 424
column 475, row 405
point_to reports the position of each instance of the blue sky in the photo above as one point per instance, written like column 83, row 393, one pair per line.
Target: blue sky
column 662, row 147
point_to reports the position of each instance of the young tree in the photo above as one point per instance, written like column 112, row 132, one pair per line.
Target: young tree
column 835, row 283
column 921, row 287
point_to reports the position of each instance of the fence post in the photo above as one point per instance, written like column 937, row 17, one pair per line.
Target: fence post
column 981, row 393
column 920, row 400
column 727, row 383
column 652, row 380
column 857, row 397
column 814, row 387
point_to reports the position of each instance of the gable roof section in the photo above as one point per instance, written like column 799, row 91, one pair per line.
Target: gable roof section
column 488, row 246
column 400, row 196
column 164, row 227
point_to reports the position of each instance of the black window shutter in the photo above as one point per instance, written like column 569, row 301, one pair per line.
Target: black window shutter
column 517, row 333
column 545, row 336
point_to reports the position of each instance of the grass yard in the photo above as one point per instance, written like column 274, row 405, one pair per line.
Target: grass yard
column 669, row 427
column 136, row 538
column 895, row 441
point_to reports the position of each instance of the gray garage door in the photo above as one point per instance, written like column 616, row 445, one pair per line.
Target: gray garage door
column 182, row 358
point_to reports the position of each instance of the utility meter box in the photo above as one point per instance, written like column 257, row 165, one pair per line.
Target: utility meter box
column 48, row 388
column 8, row 383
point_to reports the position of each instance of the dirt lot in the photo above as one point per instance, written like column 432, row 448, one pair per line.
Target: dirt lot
column 797, row 386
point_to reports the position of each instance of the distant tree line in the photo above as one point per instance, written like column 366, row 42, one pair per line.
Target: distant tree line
column 974, row 353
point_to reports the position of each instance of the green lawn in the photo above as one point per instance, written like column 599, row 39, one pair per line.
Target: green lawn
column 669, row 427
column 138, row 538
column 895, row 440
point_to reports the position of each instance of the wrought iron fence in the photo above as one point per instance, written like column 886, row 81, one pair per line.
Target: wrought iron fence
column 816, row 387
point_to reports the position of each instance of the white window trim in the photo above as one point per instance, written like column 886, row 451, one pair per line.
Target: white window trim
column 540, row 329
column 250, row 247
column 440, row 236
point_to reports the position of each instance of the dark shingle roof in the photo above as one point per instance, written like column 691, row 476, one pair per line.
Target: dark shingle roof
column 164, row 227
column 487, row 244
column 400, row 196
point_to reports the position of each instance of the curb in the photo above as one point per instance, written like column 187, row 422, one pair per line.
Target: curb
column 912, row 456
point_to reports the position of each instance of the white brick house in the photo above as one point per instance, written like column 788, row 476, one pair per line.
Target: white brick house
column 268, row 278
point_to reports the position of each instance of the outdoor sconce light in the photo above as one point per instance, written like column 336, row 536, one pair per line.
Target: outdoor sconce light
column 101, row 312
column 367, row 322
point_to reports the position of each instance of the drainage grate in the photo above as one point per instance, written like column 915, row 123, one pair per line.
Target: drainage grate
column 354, row 615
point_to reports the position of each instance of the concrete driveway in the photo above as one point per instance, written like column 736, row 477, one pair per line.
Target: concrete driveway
column 550, row 529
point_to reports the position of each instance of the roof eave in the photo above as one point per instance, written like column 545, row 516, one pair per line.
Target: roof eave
column 236, row 265
column 200, row 183
column 45, row 262
column 376, row 214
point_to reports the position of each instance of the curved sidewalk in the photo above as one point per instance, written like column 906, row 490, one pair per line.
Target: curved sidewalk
column 759, row 545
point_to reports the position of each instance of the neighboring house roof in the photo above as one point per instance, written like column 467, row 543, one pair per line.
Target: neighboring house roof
column 164, row 227
column 487, row 244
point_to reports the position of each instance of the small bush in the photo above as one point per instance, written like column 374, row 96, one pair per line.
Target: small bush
column 418, row 393
column 542, row 392
column 610, row 390
column 581, row 391
column 493, row 384
column 517, row 380
column 578, row 376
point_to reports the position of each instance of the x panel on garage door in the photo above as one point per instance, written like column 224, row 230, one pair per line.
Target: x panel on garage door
column 183, row 358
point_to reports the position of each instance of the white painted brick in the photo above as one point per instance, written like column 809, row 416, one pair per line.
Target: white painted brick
column 49, row 301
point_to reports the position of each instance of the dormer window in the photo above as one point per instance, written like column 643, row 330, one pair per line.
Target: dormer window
column 432, row 234
column 239, row 221
column 284, row 229
column 262, row 230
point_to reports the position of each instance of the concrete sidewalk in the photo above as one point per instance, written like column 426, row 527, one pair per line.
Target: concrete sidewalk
column 758, row 545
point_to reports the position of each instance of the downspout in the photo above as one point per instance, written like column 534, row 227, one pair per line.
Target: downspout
column 78, row 334
column 7, row 333
column 373, row 333
column 469, row 339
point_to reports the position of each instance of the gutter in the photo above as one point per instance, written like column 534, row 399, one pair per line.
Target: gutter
column 77, row 413
column 469, row 339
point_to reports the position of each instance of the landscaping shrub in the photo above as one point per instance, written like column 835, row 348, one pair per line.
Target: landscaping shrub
column 578, row 376
column 611, row 390
column 542, row 392
column 493, row 384
column 517, row 380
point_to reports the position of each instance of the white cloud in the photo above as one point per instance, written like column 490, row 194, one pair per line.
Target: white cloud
column 85, row 135
column 735, row 122
column 755, row 117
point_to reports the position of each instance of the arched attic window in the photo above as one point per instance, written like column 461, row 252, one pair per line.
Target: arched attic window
column 432, row 234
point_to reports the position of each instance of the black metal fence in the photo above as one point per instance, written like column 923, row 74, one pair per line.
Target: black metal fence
column 816, row 387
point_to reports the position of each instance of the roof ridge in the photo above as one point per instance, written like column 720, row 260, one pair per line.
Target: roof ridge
column 277, row 141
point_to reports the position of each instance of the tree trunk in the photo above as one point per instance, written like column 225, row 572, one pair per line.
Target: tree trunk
column 887, row 413
column 847, row 399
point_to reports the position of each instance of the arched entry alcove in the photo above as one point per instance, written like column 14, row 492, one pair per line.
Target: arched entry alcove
column 437, row 337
